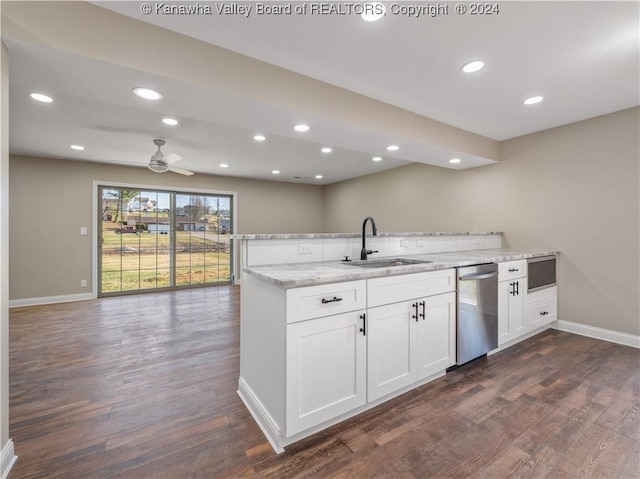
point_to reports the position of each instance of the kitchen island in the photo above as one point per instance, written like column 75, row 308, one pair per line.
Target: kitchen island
column 324, row 341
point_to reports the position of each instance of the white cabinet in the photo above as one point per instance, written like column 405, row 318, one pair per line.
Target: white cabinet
column 391, row 348
column 409, row 341
column 411, row 336
column 512, row 292
column 436, row 334
column 542, row 307
column 326, row 369
column 393, row 289
column 312, row 356
column 325, row 299
column 512, row 270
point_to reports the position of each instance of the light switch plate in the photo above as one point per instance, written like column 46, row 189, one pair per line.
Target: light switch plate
column 420, row 243
column 404, row 243
column 83, row 231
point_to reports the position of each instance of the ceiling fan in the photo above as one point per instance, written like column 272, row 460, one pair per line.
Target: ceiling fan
column 160, row 163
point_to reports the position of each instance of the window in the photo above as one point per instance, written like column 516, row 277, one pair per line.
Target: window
column 152, row 239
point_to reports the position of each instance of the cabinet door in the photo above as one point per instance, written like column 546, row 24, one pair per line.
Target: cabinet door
column 326, row 369
column 390, row 348
column 511, row 309
column 436, row 334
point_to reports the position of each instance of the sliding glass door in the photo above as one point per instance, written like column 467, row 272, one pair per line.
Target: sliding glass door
column 152, row 239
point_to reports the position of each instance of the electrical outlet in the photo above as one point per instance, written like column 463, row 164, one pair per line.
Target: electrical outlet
column 305, row 248
column 83, row 231
column 83, row 283
column 404, row 243
column 420, row 243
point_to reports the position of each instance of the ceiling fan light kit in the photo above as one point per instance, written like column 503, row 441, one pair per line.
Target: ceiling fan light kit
column 157, row 167
column 159, row 163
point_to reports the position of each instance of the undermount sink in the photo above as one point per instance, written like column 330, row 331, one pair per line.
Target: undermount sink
column 385, row 263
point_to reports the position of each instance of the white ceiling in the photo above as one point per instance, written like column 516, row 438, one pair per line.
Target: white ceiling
column 583, row 57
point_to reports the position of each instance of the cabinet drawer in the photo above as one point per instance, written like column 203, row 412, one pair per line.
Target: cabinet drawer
column 325, row 299
column 512, row 270
column 542, row 307
column 393, row 289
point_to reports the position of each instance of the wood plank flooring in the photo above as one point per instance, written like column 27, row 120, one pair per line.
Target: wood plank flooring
column 145, row 387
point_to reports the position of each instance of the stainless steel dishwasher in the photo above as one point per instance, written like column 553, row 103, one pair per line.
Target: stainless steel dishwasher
column 477, row 311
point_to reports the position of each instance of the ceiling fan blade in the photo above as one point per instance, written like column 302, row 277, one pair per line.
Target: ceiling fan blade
column 171, row 158
column 180, row 171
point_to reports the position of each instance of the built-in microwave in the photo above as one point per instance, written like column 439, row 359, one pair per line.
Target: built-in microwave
column 541, row 272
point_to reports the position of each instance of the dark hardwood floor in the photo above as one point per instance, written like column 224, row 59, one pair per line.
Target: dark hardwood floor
column 145, row 387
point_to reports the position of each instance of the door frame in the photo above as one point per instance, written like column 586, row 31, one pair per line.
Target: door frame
column 97, row 184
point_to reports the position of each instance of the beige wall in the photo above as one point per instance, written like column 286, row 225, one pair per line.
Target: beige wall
column 51, row 199
column 4, row 246
column 573, row 188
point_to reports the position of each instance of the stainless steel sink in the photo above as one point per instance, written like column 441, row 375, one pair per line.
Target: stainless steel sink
column 385, row 263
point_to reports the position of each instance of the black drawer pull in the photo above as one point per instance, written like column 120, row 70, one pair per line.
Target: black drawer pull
column 513, row 270
column 335, row 299
column 544, row 313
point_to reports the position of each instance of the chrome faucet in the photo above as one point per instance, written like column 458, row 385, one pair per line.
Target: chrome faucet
column 364, row 252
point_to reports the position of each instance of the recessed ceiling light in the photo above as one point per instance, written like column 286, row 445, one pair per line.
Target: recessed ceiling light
column 373, row 11
column 259, row 137
column 224, row 165
column 301, row 127
column 77, row 147
column 326, row 149
column 376, row 158
column 41, row 97
column 147, row 93
column 393, row 148
column 455, row 160
column 276, row 172
column 532, row 100
column 473, row 66
column 170, row 121
column 318, row 177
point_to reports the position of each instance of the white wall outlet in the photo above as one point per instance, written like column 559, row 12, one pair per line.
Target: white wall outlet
column 305, row 248
column 83, row 231
column 420, row 243
column 83, row 283
column 404, row 243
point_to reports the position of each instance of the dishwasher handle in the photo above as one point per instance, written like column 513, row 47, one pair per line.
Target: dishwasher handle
column 475, row 276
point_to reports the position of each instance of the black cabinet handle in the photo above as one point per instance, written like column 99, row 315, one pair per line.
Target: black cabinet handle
column 422, row 315
column 512, row 291
column 333, row 300
column 363, row 329
column 415, row 316
column 513, row 270
column 517, row 288
column 544, row 313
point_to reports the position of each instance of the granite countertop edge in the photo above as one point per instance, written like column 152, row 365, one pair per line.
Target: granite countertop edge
column 357, row 235
column 295, row 275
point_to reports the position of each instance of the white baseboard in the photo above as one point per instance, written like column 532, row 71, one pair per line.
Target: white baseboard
column 7, row 459
column 598, row 333
column 260, row 415
column 67, row 298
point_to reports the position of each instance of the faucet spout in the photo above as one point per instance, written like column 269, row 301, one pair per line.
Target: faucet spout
column 365, row 252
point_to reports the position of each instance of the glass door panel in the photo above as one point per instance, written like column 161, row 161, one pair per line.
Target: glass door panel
column 160, row 239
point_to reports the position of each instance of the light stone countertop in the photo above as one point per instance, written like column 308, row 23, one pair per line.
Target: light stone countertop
column 294, row 275
column 355, row 235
